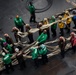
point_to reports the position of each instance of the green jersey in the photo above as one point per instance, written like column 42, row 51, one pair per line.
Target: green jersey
column 54, row 26
column 7, row 58
column 18, row 22
column 34, row 54
column 9, row 48
column 31, row 9
column 42, row 38
column 43, row 50
column 2, row 41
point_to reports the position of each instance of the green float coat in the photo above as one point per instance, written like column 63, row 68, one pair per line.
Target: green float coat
column 2, row 41
column 34, row 53
column 42, row 38
column 31, row 9
column 54, row 26
column 43, row 51
column 7, row 58
column 18, row 22
column 9, row 48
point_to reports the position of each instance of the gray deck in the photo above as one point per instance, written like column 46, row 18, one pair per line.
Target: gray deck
column 56, row 66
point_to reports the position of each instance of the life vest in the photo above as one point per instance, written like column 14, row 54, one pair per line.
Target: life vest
column 74, row 42
column 61, row 25
column 68, row 21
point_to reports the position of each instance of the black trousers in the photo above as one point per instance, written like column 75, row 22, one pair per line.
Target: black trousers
column 48, row 32
column 33, row 17
column 13, row 49
column 53, row 31
column 74, row 48
column 44, row 59
column 40, row 32
column 9, row 66
column 2, row 45
column 68, row 27
column 62, row 53
column 36, row 62
column 30, row 36
column 22, row 64
column 17, row 37
column 0, row 72
column 21, row 28
column 74, row 23
column 61, row 31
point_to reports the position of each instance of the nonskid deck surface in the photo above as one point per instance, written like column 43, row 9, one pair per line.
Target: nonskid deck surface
column 56, row 66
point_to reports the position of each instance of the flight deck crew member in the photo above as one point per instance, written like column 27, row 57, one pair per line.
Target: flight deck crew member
column 32, row 12
column 68, row 21
column 7, row 62
column 43, row 52
column 74, row 44
column 54, row 26
column 34, row 53
column 30, row 35
column 7, row 48
column 42, row 38
column 19, row 23
column 17, row 37
column 45, row 22
column 72, row 40
column 2, row 41
column 74, row 18
column 20, row 58
column 38, row 26
column 66, row 14
column 61, row 26
column 62, row 44
column 9, row 40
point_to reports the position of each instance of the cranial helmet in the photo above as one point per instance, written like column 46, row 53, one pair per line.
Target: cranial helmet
column 67, row 12
column 5, row 43
column 72, row 34
column 14, row 28
column 27, row 25
column 6, row 35
column 16, row 50
column 60, row 17
column 3, row 53
column 45, row 19
column 42, row 46
column 52, row 17
column 61, row 38
column 74, row 11
column 17, row 16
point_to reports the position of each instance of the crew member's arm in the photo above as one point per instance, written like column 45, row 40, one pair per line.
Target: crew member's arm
column 5, row 50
